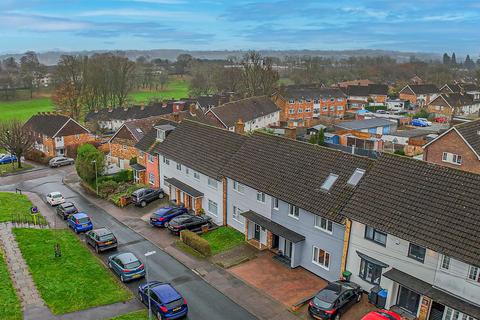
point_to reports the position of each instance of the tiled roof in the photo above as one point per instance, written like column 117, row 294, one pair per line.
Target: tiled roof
column 295, row 92
column 294, row 172
column 140, row 127
column 364, row 124
column 424, row 88
column 453, row 87
column 469, row 87
column 148, row 142
column 46, row 123
column 471, row 133
column 245, row 109
column 430, row 205
column 201, row 147
column 457, row 100
column 378, row 89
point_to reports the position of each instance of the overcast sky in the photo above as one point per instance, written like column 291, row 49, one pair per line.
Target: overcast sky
column 404, row 25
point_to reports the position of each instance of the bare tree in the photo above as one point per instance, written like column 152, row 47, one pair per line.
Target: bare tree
column 258, row 76
column 30, row 70
column 16, row 138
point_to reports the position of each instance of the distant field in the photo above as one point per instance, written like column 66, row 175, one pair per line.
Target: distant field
column 24, row 109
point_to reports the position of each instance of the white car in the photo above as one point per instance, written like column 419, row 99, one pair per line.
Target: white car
column 429, row 123
column 55, row 198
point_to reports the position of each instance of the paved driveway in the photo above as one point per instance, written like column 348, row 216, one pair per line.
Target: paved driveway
column 278, row 280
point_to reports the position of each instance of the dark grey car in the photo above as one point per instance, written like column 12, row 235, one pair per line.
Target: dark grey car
column 142, row 197
column 66, row 209
column 101, row 239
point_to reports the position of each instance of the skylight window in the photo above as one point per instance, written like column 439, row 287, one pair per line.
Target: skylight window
column 139, row 130
column 355, row 177
column 327, row 185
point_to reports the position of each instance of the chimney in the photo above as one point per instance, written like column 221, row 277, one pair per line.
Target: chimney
column 240, row 126
column 142, row 106
column 110, row 109
column 125, row 108
column 291, row 133
column 164, row 104
column 96, row 110
column 192, row 109
column 176, row 117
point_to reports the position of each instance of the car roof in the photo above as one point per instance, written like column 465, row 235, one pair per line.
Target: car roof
column 127, row 257
column 80, row 215
column 102, row 231
column 166, row 292
column 67, row 204
column 55, row 192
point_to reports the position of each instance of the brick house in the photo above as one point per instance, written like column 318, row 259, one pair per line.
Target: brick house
column 301, row 104
column 458, row 147
column 55, row 134
column 147, row 169
column 450, row 104
column 419, row 94
column 359, row 96
column 121, row 146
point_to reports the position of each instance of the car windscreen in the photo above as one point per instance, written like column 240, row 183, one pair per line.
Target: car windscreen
column 57, row 195
column 386, row 315
column 83, row 220
column 132, row 265
column 325, row 299
column 181, row 219
column 174, row 304
column 162, row 212
column 107, row 237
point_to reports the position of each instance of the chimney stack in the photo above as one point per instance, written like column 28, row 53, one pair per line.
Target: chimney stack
column 291, row 133
column 142, row 106
column 125, row 108
column 192, row 109
column 240, row 126
column 176, row 117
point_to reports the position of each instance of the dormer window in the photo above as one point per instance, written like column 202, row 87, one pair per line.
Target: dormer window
column 160, row 135
column 139, row 130
column 328, row 184
column 355, row 177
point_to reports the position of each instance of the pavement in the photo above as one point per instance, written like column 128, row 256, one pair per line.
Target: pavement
column 210, row 291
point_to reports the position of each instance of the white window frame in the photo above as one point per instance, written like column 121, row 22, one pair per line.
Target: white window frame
column 166, row 161
column 236, row 214
column 213, row 203
column 445, row 262
column 141, row 154
column 260, row 197
column 212, row 183
column 474, row 273
column 291, row 111
column 295, row 210
column 151, row 159
column 124, row 147
column 318, row 221
column 275, row 203
column 452, row 158
column 326, row 262
column 179, row 166
column 238, row 187
column 151, row 178
column 196, row 175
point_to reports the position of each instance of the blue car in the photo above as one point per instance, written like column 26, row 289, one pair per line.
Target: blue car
column 80, row 222
column 165, row 214
column 165, row 301
column 419, row 123
column 7, row 158
column 127, row 266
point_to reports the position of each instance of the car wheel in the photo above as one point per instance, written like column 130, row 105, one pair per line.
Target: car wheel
column 337, row 317
column 143, row 204
column 123, row 279
column 159, row 316
column 359, row 297
column 140, row 296
column 97, row 249
column 166, row 224
column 161, row 195
column 110, row 265
column 76, row 231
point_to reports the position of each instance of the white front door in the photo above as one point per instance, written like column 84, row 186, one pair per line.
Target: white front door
column 263, row 236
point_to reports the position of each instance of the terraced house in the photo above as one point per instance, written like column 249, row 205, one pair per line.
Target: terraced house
column 419, row 94
column 287, row 196
column 419, row 239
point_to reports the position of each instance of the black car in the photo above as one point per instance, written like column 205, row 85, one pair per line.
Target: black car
column 101, row 239
column 336, row 298
column 188, row 222
column 66, row 209
column 142, row 197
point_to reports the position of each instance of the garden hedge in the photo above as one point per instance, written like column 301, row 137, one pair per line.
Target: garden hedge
column 196, row 242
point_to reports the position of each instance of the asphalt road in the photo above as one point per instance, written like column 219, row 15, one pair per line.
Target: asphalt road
column 204, row 301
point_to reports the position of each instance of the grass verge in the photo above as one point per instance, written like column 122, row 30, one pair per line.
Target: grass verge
column 137, row 315
column 223, row 238
column 7, row 168
column 16, row 207
column 10, row 308
column 75, row 281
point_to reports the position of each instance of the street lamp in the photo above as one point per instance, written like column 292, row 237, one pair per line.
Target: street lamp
column 147, row 254
column 96, row 174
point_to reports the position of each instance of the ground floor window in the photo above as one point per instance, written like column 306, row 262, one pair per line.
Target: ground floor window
column 408, row 300
column 370, row 272
column 136, row 176
column 151, row 178
column 321, row 257
column 236, row 215
column 212, row 207
column 452, row 314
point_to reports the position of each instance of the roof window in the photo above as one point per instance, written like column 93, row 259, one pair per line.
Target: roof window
column 355, row 177
column 327, row 185
column 139, row 130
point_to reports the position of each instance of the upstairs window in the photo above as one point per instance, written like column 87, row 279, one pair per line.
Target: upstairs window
column 452, row 158
column 355, row 177
column 166, row 161
column 179, row 167
column 212, row 183
column 316, row 101
column 260, row 197
column 292, row 101
column 300, row 100
column 293, row 211
column 375, row 236
column 196, row 175
column 327, row 185
column 416, row 252
column 445, row 262
column 323, row 224
column 299, row 110
column 275, row 203
column 308, row 100
column 238, row 187
column 291, row 111
column 474, row 273
column 151, row 159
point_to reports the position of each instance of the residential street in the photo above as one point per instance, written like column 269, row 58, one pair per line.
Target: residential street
column 204, row 301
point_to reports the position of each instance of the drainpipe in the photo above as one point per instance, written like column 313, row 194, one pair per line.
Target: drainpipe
column 224, row 183
column 346, row 241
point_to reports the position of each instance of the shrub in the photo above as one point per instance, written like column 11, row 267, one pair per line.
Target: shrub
column 133, row 160
column 196, row 242
column 123, row 176
column 37, row 156
column 107, row 187
column 86, row 154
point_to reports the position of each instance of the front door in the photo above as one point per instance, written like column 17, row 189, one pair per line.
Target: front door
column 288, row 249
column 275, row 241
column 408, row 300
column 256, row 236
column 188, row 201
column 436, row 313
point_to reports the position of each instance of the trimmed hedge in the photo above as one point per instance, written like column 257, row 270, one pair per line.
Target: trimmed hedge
column 196, row 242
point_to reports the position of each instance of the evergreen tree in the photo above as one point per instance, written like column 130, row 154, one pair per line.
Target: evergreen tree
column 454, row 59
column 446, row 59
column 321, row 137
column 469, row 64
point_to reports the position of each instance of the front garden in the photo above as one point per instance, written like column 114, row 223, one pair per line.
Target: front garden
column 12, row 168
column 75, row 281
column 16, row 207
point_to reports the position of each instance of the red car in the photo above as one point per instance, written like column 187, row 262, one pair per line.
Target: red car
column 441, row 120
column 381, row 315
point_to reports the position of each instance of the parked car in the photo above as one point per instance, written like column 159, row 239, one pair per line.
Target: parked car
column 142, row 197
column 188, row 222
column 54, row 198
column 441, row 119
column 429, row 123
column 419, row 123
column 66, row 209
column 56, row 162
column 127, row 266
column 381, row 315
column 101, row 239
column 7, row 158
column 162, row 216
column 80, row 222
column 336, row 298
column 165, row 301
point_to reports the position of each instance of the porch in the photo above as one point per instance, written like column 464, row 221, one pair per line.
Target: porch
column 139, row 172
column 184, row 195
column 264, row 234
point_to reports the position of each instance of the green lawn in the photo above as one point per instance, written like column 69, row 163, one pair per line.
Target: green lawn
column 24, row 109
column 75, row 281
column 137, row 315
column 174, row 89
column 9, row 304
column 7, row 168
column 223, row 238
column 16, row 207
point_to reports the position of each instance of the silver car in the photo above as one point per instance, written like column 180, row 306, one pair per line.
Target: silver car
column 60, row 161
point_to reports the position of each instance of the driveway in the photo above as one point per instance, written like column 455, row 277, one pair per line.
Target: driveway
column 282, row 283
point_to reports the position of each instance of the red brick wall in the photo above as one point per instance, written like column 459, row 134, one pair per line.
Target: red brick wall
column 407, row 96
column 117, row 150
column 453, row 143
column 152, row 168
